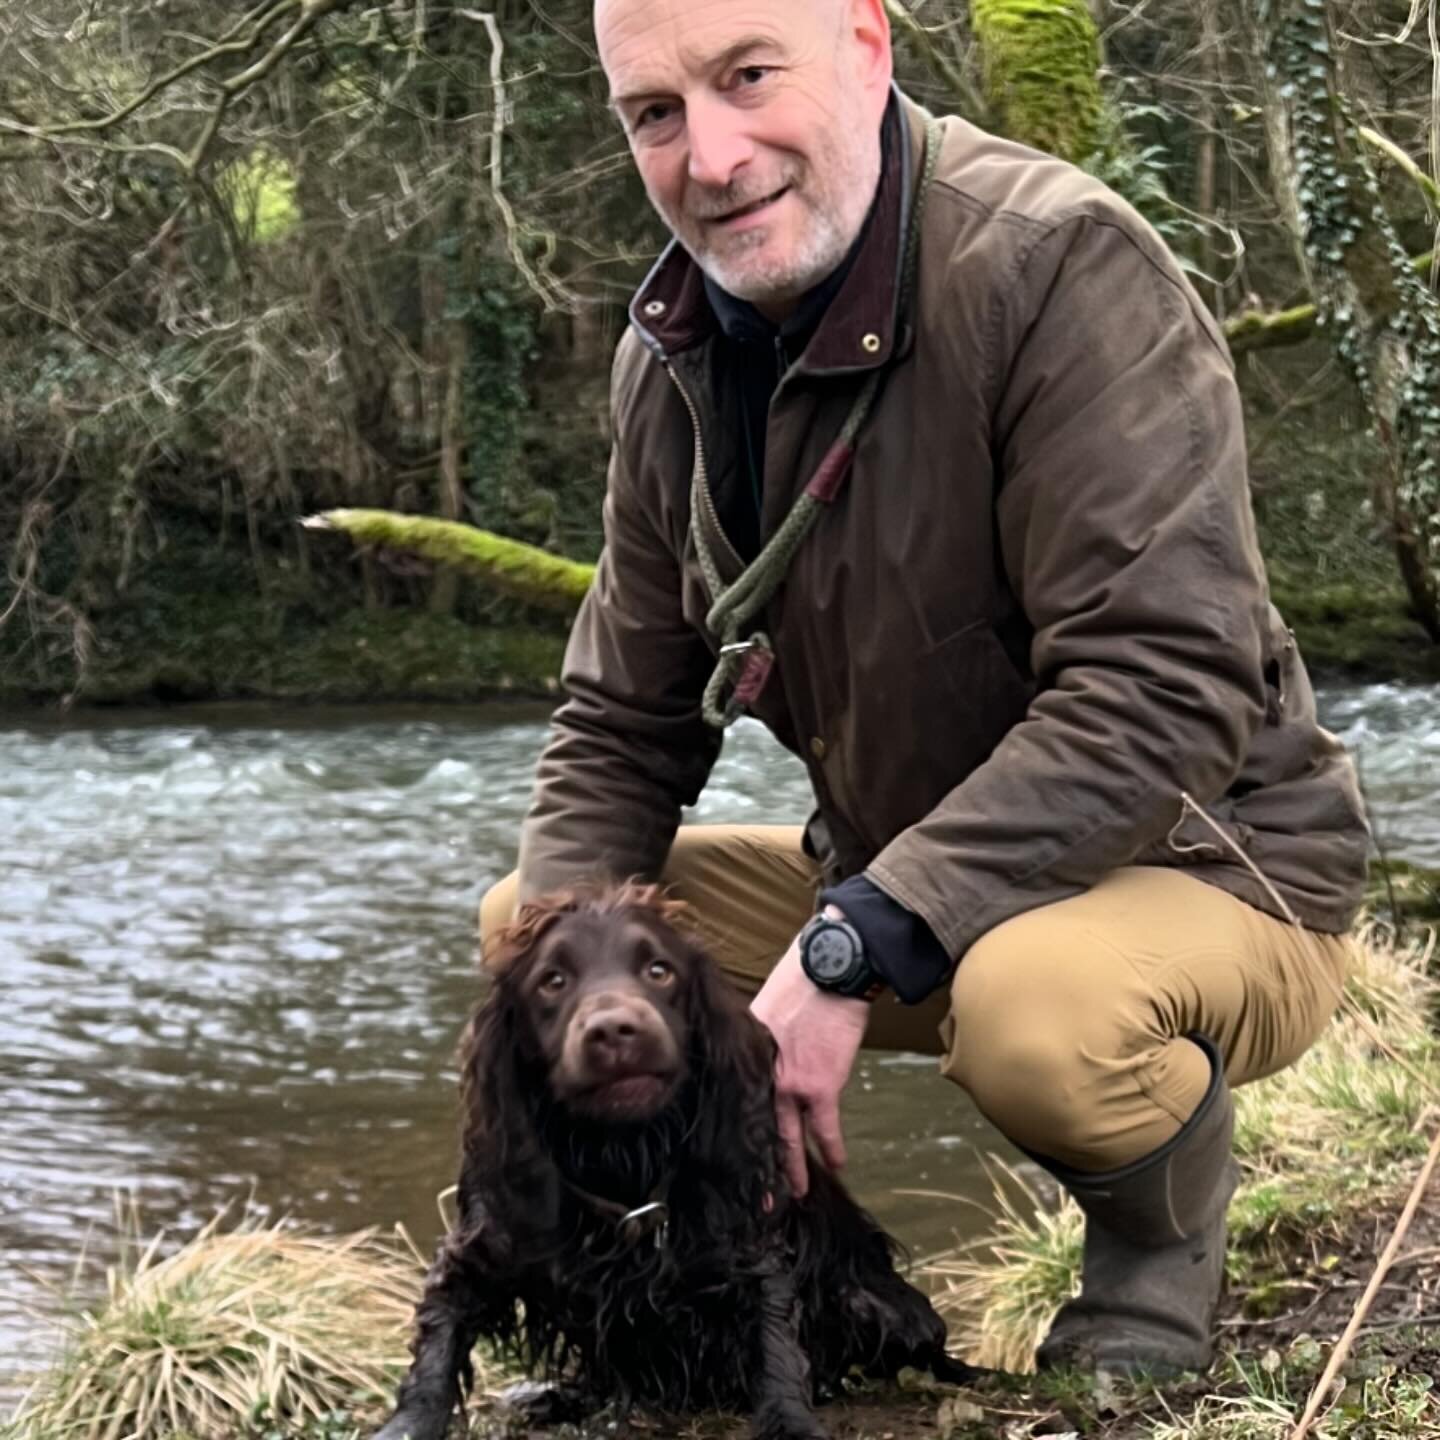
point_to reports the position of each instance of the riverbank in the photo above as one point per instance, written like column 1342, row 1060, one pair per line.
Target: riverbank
column 1328, row 1149
column 1271, row 1360
column 228, row 644
column 205, row 612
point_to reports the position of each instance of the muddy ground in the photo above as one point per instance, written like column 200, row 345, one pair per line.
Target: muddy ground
column 1278, row 1330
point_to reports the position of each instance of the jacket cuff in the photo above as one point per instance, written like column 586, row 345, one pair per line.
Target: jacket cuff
column 900, row 946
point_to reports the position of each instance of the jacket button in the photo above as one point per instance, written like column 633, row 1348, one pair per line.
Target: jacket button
column 655, row 309
column 817, row 747
column 871, row 344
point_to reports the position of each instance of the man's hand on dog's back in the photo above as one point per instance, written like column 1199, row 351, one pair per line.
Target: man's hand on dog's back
column 818, row 1036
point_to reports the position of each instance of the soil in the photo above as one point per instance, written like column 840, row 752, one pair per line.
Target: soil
column 1278, row 1331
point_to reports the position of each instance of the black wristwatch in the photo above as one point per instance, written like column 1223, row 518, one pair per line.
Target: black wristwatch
column 833, row 955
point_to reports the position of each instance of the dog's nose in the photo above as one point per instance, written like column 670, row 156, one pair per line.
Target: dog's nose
column 609, row 1029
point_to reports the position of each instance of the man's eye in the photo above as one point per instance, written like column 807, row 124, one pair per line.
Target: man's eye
column 654, row 115
column 752, row 74
column 552, row 982
column 660, row 972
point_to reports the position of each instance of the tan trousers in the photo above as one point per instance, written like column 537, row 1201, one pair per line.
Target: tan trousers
column 1065, row 1024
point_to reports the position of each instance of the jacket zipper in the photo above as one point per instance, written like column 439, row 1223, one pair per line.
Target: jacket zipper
column 702, row 473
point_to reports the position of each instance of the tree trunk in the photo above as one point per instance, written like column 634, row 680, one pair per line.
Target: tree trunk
column 1384, row 322
column 452, row 448
column 1207, row 119
column 1041, row 62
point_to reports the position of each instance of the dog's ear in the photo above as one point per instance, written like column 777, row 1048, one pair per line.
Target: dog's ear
column 733, row 1056
column 503, row 1092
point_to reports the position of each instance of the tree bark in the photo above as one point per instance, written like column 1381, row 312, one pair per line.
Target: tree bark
column 452, row 450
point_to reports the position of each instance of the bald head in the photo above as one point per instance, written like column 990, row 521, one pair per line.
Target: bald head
column 755, row 126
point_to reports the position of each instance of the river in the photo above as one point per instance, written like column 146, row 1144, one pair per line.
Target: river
column 237, row 947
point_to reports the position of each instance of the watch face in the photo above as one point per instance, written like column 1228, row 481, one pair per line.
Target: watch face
column 830, row 954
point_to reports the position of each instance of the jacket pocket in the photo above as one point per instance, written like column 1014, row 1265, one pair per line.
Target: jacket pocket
column 987, row 694
column 957, row 701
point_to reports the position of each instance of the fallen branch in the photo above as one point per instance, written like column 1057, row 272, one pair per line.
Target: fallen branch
column 1382, row 1267
column 1264, row 330
column 1402, row 160
column 511, row 567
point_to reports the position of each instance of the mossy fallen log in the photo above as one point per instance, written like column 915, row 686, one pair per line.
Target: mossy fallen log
column 510, row 567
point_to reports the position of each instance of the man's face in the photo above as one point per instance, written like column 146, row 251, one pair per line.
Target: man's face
column 756, row 128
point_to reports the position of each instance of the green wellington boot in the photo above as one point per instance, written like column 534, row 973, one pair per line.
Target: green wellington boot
column 1154, row 1262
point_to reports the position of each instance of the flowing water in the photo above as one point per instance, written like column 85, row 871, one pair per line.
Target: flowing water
column 237, row 948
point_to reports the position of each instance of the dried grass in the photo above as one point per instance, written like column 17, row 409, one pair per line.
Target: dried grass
column 1000, row 1291
column 258, row 1321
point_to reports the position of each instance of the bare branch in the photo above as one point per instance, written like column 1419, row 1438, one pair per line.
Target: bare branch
column 163, row 82
column 552, row 293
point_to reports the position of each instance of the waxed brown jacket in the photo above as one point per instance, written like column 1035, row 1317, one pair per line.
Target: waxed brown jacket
column 1035, row 618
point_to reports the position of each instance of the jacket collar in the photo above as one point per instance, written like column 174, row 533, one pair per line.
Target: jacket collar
column 860, row 328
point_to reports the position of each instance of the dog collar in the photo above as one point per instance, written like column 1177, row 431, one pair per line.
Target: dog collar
column 651, row 1218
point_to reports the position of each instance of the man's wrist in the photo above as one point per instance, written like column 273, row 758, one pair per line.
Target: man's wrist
column 832, row 955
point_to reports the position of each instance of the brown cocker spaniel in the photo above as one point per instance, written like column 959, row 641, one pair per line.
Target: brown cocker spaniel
column 625, row 1228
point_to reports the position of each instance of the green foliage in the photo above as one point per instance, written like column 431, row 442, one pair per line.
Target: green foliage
column 1140, row 174
column 260, row 188
column 500, row 323
column 1404, row 893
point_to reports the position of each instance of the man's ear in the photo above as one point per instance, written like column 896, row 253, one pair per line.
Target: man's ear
column 867, row 39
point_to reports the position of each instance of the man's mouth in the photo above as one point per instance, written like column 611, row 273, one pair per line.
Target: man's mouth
column 753, row 208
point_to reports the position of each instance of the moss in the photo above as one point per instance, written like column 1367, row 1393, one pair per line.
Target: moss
column 200, row 622
column 396, row 655
column 1041, row 60
column 1356, row 631
column 512, row 568
column 1404, row 893
column 1262, row 329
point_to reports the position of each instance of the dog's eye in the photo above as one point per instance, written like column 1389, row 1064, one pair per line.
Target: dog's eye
column 660, row 972
column 552, row 982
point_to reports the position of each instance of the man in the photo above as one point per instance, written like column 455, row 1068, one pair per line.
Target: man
column 1078, row 829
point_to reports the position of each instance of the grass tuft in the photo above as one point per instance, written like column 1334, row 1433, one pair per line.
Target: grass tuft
column 1345, row 1123
column 999, row 1292
column 256, row 1329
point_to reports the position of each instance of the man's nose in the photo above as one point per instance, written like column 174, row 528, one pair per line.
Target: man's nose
column 720, row 146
